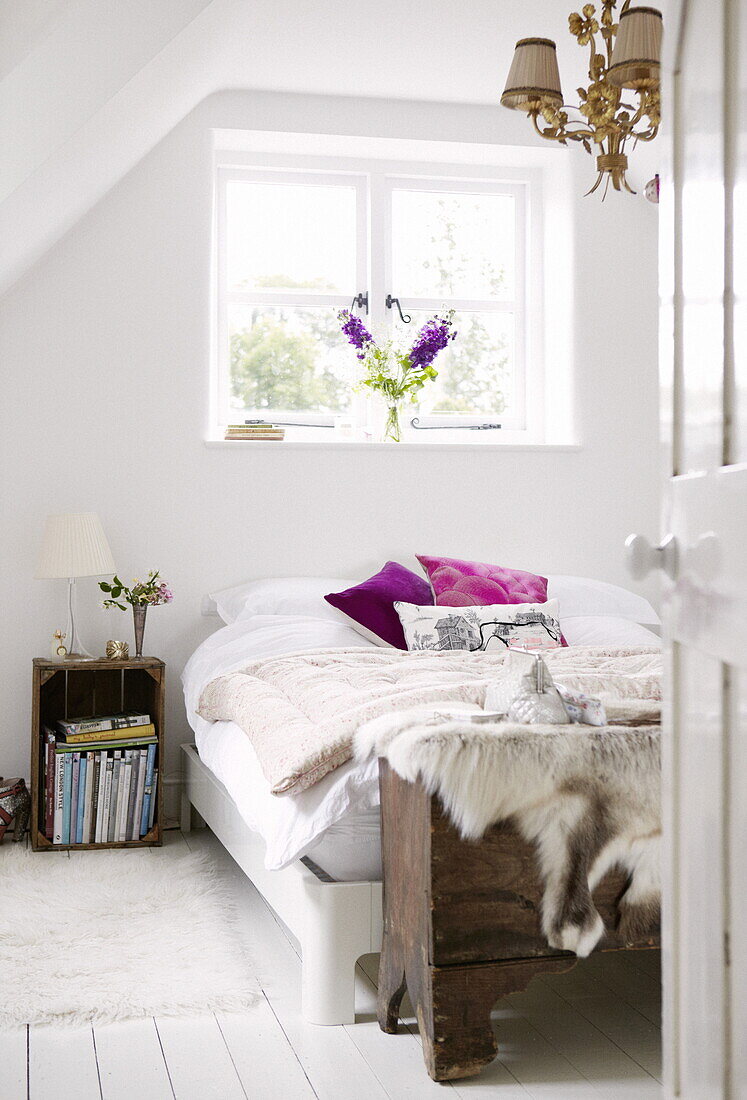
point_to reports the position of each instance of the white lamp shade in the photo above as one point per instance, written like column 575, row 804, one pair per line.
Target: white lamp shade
column 74, row 545
column 533, row 79
column 637, row 51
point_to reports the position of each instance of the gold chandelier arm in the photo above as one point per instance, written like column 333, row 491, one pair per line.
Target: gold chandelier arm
column 558, row 130
column 646, row 135
column 641, row 111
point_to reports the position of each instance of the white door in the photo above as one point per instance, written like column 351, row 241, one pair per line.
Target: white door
column 704, row 414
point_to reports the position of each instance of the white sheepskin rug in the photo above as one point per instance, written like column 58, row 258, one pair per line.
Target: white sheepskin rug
column 107, row 936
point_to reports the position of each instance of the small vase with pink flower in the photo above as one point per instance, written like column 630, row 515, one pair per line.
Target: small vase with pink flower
column 141, row 596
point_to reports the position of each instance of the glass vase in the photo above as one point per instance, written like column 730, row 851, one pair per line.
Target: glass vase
column 138, row 617
column 392, row 427
column 385, row 419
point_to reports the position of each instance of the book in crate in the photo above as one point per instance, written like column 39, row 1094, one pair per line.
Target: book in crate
column 100, row 779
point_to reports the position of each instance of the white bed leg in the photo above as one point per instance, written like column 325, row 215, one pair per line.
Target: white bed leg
column 337, row 932
column 189, row 818
column 185, row 815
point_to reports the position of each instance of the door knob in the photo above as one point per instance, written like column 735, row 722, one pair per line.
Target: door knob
column 642, row 557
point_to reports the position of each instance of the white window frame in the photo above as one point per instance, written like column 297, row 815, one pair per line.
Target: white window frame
column 374, row 181
column 280, row 297
column 515, row 306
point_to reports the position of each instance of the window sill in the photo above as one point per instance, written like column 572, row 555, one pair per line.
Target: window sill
column 354, row 445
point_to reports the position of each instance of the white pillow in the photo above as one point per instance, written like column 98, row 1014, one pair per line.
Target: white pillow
column 584, row 596
column 489, row 627
column 606, row 630
column 280, row 596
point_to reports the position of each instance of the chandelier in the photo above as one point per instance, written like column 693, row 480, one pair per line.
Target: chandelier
column 631, row 60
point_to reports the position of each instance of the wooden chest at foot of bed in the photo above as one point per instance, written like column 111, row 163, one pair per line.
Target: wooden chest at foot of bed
column 462, row 926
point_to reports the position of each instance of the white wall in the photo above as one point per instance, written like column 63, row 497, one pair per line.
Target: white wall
column 104, row 356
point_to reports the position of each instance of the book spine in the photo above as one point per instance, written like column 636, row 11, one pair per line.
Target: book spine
column 149, row 768
column 83, row 768
column 94, row 798
column 125, row 721
column 100, row 725
column 103, row 836
column 89, row 798
column 130, row 822
column 117, row 802
column 74, row 796
column 111, row 830
column 124, row 802
column 143, row 754
column 92, row 725
column 153, row 800
column 49, row 757
column 68, row 790
column 100, row 799
column 119, row 733
column 121, row 743
column 59, row 796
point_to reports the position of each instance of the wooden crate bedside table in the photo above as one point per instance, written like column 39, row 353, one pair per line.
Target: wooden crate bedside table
column 75, row 689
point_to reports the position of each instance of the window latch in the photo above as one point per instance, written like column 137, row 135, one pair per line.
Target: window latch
column 395, row 302
column 361, row 301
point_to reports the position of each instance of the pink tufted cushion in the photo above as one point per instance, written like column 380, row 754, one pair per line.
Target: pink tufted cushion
column 459, row 583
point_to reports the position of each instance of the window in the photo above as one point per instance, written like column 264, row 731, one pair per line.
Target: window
column 294, row 247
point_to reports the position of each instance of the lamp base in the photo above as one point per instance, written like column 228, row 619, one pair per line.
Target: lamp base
column 77, row 651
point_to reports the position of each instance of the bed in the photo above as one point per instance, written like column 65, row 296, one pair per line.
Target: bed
column 316, row 856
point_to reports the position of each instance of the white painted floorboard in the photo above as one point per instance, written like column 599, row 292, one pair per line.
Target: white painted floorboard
column 199, row 1062
column 131, row 1062
column 62, row 1064
column 13, row 1063
column 590, row 1033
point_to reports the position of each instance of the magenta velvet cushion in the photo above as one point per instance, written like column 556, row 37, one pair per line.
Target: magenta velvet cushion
column 370, row 604
column 459, row 583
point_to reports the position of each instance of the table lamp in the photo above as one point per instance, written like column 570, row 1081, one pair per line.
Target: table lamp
column 74, row 545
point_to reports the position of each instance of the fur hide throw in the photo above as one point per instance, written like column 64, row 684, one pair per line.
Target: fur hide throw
column 587, row 798
column 301, row 710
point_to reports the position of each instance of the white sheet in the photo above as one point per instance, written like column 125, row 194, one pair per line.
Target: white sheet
column 289, row 826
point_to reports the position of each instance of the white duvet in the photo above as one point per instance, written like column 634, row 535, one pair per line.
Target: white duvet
column 291, row 826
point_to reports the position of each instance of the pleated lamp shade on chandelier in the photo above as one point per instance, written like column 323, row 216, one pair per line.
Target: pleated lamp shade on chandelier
column 635, row 58
column 74, row 545
column 533, row 79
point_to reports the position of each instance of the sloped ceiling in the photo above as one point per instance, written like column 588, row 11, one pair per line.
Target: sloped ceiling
column 88, row 87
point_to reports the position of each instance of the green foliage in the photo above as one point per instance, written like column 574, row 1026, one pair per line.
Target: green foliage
column 389, row 373
column 449, row 263
column 276, row 367
column 477, row 366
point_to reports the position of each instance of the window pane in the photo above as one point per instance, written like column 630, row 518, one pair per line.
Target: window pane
column 291, row 236
column 476, row 371
column 289, row 358
column 453, row 245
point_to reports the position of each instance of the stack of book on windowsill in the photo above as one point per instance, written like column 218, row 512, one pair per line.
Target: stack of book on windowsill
column 254, row 431
column 100, row 778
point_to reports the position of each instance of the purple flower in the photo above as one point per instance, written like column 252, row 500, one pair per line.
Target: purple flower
column 356, row 332
column 432, row 338
column 165, row 593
